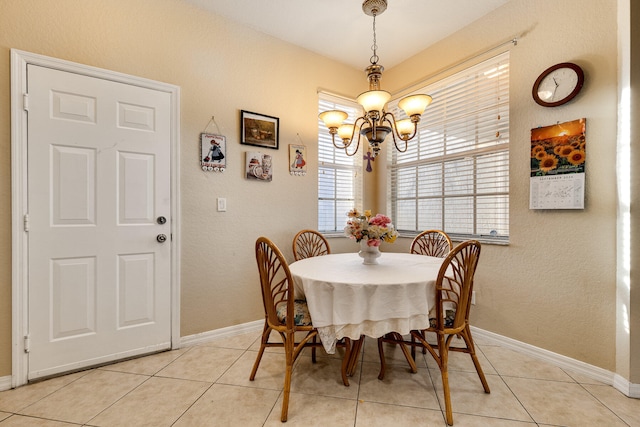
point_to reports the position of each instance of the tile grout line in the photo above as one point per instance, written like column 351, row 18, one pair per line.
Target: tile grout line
column 515, row 396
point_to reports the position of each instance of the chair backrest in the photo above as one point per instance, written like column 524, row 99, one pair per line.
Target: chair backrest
column 276, row 283
column 455, row 285
column 432, row 243
column 309, row 243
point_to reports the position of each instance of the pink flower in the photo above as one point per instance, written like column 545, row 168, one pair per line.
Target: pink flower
column 380, row 220
column 373, row 242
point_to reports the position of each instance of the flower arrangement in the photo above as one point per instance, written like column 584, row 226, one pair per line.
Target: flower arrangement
column 374, row 229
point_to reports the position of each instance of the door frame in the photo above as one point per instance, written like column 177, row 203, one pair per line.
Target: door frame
column 19, row 194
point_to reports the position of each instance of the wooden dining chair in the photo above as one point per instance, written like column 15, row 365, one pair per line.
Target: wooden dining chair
column 283, row 313
column 450, row 318
column 309, row 243
column 432, row 243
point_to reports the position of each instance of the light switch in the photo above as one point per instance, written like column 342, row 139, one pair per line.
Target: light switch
column 222, row 204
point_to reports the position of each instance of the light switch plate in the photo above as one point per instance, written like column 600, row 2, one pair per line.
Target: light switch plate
column 222, row 204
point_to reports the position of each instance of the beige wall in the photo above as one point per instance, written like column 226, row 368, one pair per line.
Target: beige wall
column 553, row 286
column 221, row 68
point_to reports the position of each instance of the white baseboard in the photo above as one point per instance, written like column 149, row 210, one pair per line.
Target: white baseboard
column 607, row 377
column 5, row 383
column 619, row 383
column 634, row 390
column 602, row 375
column 215, row 334
column 625, row 387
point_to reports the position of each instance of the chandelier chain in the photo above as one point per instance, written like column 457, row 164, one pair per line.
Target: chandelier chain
column 374, row 58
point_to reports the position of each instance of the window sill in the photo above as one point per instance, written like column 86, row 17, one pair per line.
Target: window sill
column 485, row 240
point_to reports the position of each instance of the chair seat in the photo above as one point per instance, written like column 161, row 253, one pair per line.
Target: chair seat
column 301, row 316
column 450, row 315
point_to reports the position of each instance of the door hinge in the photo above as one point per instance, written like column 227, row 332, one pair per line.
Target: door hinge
column 27, row 343
column 25, row 102
column 26, row 222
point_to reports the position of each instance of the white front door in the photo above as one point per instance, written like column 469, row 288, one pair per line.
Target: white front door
column 99, row 202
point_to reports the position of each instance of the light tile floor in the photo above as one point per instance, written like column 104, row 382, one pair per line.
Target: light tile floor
column 208, row 385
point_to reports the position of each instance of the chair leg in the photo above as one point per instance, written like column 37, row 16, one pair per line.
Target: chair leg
column 407, row 355
column 288, row 347
column 345, row 361
column 444, row 370
column 424, row 349
column 263, row 340
column 466, row 335
column 313, row 349
column 413, row 348
column 353, row 357
column 382, row 361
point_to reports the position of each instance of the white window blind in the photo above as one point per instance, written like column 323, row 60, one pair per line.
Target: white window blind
column 339, row 176
column 455, row 174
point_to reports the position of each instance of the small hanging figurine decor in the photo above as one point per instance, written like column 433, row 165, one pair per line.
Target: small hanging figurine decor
column 297, row 161
column 213, row 148
column 369, row 158
column 297, row 158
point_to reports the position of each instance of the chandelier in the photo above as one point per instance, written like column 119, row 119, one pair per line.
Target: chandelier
column 376, row 123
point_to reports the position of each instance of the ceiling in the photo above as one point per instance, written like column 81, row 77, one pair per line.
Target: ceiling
column 340, row 30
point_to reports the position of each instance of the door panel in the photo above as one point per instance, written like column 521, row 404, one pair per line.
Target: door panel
column 136, row 290
column 73, row 173
column 136, row 188
column 98, row 177
column 73, row 297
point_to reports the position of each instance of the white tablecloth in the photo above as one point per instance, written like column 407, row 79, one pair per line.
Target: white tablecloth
column 348, row 299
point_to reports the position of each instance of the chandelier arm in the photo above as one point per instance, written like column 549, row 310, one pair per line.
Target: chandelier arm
column 395, row 142
column 357, row 145
column 356, row 129
column 333, row 139
column 394, row 133
column 357, row 126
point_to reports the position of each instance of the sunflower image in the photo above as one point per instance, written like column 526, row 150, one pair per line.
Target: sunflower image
column 576, row 157
column 548, row 163
column 535, row 150
column 566, row 150
column 557, row 149
column 541, row 155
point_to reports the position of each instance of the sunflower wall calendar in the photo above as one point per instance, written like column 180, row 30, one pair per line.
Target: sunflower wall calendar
column 558, row 156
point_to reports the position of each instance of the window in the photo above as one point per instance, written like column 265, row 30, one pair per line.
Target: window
column 339, row 176
column 455, row 174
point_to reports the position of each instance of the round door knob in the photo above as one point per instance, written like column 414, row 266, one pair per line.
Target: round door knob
column 161, row 238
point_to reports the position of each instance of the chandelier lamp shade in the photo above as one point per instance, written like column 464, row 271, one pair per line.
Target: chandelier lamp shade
column 376, row 123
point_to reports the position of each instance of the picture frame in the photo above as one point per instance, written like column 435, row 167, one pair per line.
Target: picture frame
column 259, row 130
column 297, row 160
column 213, row 151
column 258, row 166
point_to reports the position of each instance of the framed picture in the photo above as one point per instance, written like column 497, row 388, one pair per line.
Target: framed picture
column 258, row 166
column 297, row 160
column 213, row 149
column 258, row 129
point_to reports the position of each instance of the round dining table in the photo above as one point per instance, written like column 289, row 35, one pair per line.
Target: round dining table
column 348, row 299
